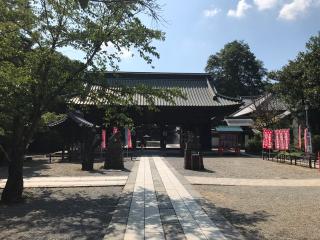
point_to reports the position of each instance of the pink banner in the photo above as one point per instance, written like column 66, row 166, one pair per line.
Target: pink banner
column 286, row 139
column 267, row 139
column 282, row 139
column 306, row 139
column 299, row 138
column 277, row 139
column 103, row 139
column 129, row 139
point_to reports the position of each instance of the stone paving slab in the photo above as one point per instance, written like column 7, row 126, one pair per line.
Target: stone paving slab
column 158, row 203
column 71, row 179
column 57, row 182
column 170, row 223
column 254, row 182
column 144, row 218
column 194, row 221
column 118, row 224
column 223, row 224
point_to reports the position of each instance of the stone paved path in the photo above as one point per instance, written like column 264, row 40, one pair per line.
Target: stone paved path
column 313, row 182
column 157, row 203
column 55, row 182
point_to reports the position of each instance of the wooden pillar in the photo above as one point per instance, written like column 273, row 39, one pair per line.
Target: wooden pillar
column 163, row 137
column 63, row 151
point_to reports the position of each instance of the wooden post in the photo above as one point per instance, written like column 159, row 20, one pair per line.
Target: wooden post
column 62, row 155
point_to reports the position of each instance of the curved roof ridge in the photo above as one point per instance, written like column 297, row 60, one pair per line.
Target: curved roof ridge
column 229, row 98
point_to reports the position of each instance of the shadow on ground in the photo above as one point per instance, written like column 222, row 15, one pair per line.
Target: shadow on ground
column 30, row 168
column 70, row 213
column 40, row 167
column 226, row 219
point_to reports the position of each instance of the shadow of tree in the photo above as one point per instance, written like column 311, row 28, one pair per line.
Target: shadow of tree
column 41, row 167
column 70, row 213
column 226, row 219
column 30, row 168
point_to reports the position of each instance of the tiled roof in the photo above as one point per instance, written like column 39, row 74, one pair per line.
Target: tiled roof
column 197, row 88
column 267, row 102
column 75, row 117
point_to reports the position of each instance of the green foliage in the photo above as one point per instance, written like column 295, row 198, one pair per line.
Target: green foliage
column 299, row 81
column 35, row 76
column 316, row 143
column 116, row 116
column 236, row 70
column 254, row 145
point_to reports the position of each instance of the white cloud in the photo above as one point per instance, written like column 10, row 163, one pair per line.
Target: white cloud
column 124, row 53
column 242, row 7
column 265, row 4
column 291, row 11
column 211, row 12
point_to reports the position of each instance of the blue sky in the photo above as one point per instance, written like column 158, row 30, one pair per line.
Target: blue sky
column 276, row 30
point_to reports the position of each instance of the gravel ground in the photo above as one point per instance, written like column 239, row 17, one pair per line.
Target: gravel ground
column 268, row 212
column 60, row 213
column 245, row 167
column 40, row 167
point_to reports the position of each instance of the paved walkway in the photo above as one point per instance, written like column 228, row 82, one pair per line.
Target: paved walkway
column 55, row 182
column 313, row 182
column 157, row 203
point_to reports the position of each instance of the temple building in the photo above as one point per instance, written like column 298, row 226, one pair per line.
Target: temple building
column 201, row 108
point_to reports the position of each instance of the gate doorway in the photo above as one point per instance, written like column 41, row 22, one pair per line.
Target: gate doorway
column 154, row 136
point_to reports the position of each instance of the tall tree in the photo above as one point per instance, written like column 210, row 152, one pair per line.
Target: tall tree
column 34, row 75
column 299, row 81
column 236, row 71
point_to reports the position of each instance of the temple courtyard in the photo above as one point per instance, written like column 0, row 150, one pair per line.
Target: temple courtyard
column 156, row 198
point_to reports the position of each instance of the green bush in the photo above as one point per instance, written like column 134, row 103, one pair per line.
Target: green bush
column 254, row 145
column 316, row 143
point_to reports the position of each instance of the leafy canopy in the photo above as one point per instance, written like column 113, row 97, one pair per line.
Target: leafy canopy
column 236, row 71
column 35, row 76
column 299, row 81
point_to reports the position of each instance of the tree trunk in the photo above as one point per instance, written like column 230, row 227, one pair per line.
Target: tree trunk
column 13, row 189
column 12, row 192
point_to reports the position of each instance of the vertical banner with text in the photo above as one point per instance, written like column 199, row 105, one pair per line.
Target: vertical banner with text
column 299, row 138
column 267, row 139
column 103, row 139
column 128, row 138
column 286, row 139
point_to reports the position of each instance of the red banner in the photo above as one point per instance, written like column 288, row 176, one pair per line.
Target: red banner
column 306, row 139
column 299, row 138
column 282, row 139
column 103, row 139
column 286, row 139
column 267, row 139
column 129, row 141
column 277, row 139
